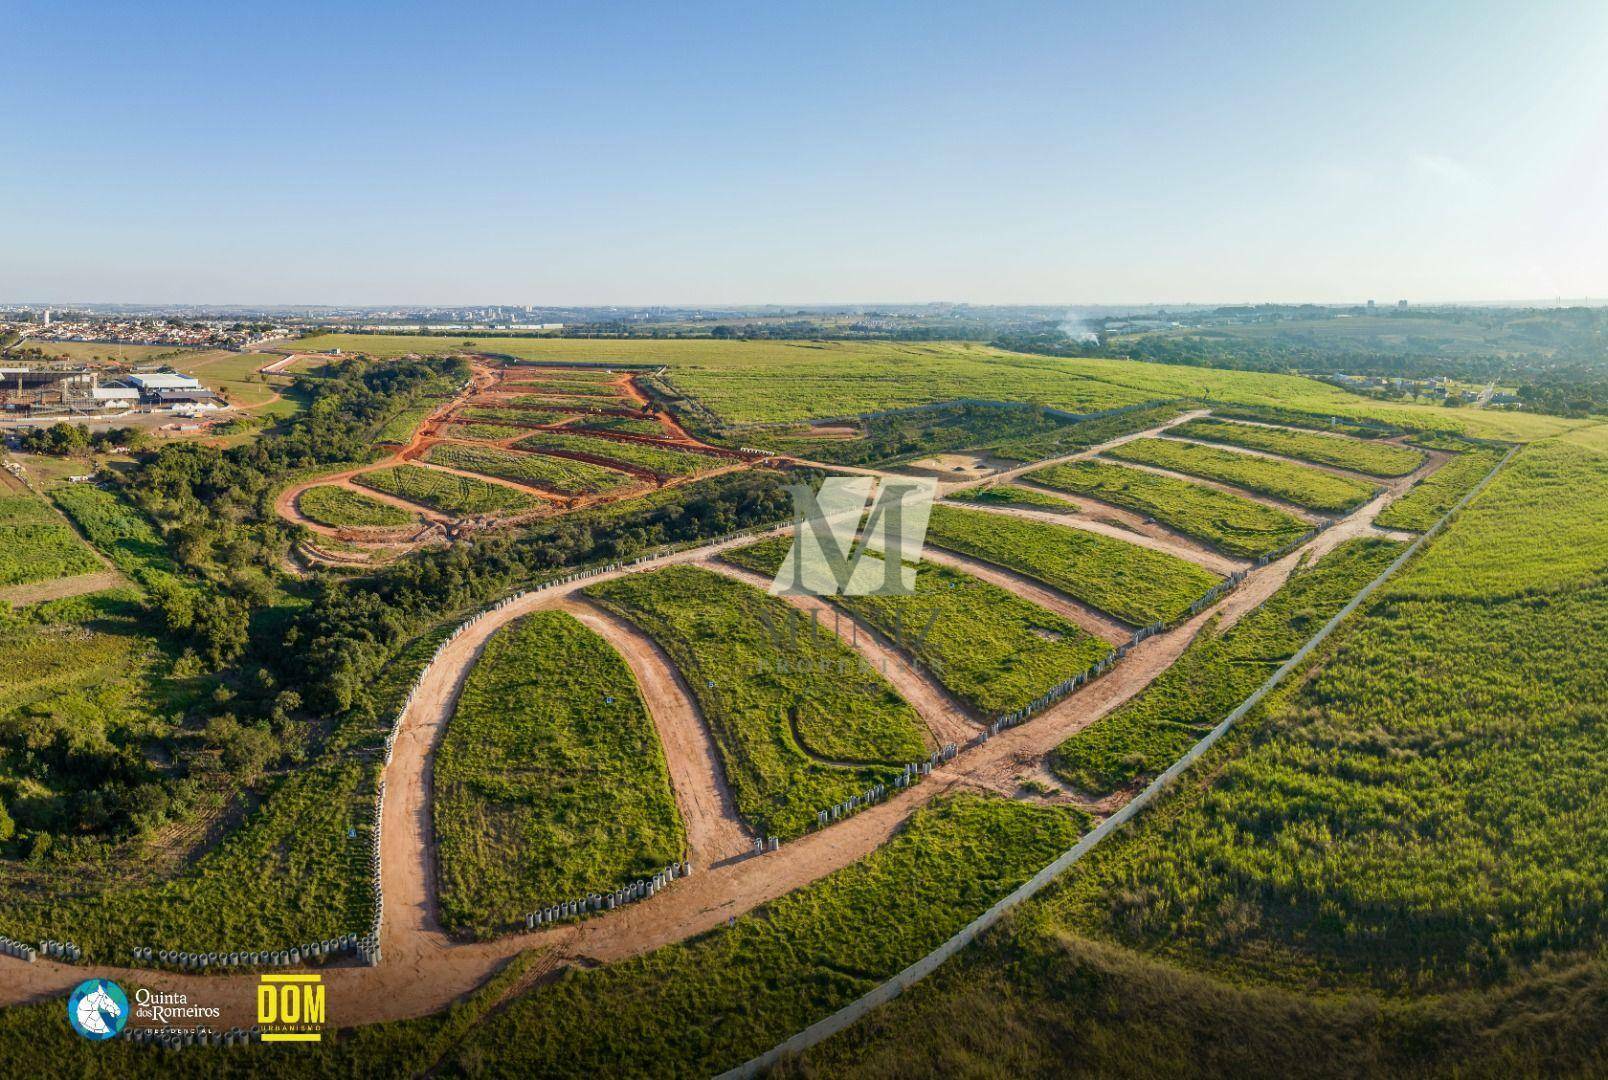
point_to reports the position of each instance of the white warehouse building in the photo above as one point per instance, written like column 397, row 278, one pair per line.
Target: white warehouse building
column 164, row 380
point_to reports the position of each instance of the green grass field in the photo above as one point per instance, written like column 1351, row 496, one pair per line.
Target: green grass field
column 1438, row 492
column 1135, row 584
column 534, row 416
column 629, row 425
column 286, row 871
column 771, row 381
column 800, row 720
column 1300, row 485
column 562, row 387
column 562, row 475
column 1406, row 826
column 235, row 375
column 1372, row 458
column 90, row 350
column 705, row 1005
column 446, row 492
column 1393, row 868
column 661, row 461
column 993, row 651
column 550, row 783
column 1009, row 495
column 491, row 432
column 1227, row 522
column 1216, row 673
column 338, row 506
column 37, row 545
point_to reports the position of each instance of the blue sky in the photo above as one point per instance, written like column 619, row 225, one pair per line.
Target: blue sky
column 752, row 153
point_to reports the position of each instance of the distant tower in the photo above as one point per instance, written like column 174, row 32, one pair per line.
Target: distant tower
column 1370, row 305
column 1402, row 304
column 47, row 316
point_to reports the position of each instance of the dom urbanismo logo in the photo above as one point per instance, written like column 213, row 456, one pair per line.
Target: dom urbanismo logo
column 97, row 1009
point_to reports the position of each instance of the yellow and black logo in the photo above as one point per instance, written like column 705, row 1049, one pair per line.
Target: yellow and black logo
column 290, row 1008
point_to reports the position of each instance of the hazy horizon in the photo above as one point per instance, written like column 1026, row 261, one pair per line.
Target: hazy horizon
column 566, row 156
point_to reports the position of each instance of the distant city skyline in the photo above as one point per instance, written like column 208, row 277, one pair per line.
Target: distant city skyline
column 725, row 155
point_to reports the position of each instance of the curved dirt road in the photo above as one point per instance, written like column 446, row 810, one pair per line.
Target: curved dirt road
column 714, row 831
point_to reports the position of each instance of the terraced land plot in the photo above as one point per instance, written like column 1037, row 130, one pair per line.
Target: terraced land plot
column 1138, row 585
column 534, row 416
column 1438, row 492
column 710, row 1003
column 990, row 649
column 801, row 721
column 661, row 461
column 563, row 386
column 1216, row 673
column 490, row 432
column 627, row 425
column 446, row 492
column 340, row 507
column 549, row 401
column 550, row 783
column 1227, row 522
column 1299, row 485
column 1373, row 458
column 1009, row 495
column 37, row 545
column 562, row 475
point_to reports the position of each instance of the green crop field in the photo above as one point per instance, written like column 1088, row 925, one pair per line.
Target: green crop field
column 1216, row 673
column 770, row 381
column 1364, row 429
column 550, row 783
column 1539, row 528
column 800, row 720
column 1227, row 522
column 1008, row 495
column 446, row 492
column 991, row 650
column 1438, row 492
column 1083, row 434
column 1300, row 485
column 1373, row 458
column 564, row 387
column 1138, row 585
column 534, row 416
column 37, row 545
column 562, row 475
column 696, row 1008
column 328, row 504
column 481, row 431
column 629, row 425
column 550, row 402
column 659, row 460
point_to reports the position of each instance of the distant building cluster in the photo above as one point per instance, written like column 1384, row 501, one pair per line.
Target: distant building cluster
column 67, row 391
column 145, row 332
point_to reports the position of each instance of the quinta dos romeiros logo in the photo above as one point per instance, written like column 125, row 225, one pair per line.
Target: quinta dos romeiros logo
column 97, row 1009
column 290, row 1008
column 828, row 557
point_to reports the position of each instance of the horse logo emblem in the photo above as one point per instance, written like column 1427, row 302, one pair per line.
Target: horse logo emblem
column 97, row 1009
